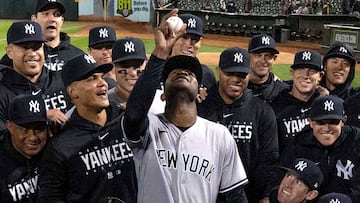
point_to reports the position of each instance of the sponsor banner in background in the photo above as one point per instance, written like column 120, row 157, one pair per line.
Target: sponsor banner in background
column 134, row 10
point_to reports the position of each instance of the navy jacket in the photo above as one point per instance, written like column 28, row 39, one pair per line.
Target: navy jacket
column 339, row 163
column 18, row 174
column 252, row 123
column 86, row 162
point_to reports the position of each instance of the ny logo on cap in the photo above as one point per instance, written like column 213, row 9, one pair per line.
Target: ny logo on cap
column 89, row 59
column 306, row 56
column 129, row 47
column 238, row 57
column 191, row 23
column 343, row 50
column 265, row 40
column 334, row 201
column 329, row 105
column 51, row 0
column 103, row 33
column 29, row 29
column 34, row 106
column 301, row 165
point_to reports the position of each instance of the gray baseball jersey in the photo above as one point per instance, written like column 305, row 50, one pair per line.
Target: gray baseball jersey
column 190, row 166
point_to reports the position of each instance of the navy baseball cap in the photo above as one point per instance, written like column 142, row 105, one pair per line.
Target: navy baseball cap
column 80, row 67
column 306, row 171
column 43, row 5
column 24, row 31
column 27, row 108
column 262, row 43
column 128, row 48
column 235, row 59
column 307, row 59
column 194, row 24
column 327, row 107
column 183, row 62
column 334, row 198
column 341, row 50
column 101, row 34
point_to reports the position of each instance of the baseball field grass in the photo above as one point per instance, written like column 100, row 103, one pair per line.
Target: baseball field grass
column 72, row 27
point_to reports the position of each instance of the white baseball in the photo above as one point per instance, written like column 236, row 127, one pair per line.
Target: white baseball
column 175, row 23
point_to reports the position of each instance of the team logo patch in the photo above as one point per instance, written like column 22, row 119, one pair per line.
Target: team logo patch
column 103, row 33
column 329, row 105
column 345, row 172
column 238, row 57
column 306, row 56
column 301, row 166
column 34, row 106
column 265, row 40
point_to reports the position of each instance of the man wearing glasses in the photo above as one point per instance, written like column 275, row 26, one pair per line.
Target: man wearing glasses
column 129, row 57
column 331, row 144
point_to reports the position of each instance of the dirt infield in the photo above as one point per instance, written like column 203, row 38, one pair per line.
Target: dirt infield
column 126, row 27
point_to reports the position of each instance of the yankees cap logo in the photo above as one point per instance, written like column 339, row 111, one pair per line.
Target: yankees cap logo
column 301, row 165
column 265, row 40
column 34, row 106
column 306, row 56
column 29, row 29
column 129, row 47
column 343, row 50
column 329, row 105
column 103, row 33
column 89, row 59
column 238, row 57
column 191, row 23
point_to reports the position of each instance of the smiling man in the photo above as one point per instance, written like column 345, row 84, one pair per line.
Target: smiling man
column 27, row 75
column 129, row 57
column 292, row 107
column 250, row 120
column 21, row 147
column 339, row 64
column 300, row 183
column 333, row 145
column 89, row 160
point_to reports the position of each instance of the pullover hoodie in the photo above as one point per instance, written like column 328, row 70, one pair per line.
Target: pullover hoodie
column 339, row 163
column 18, row 174
column 252, row 124
column 86, row 162
column 48, row 84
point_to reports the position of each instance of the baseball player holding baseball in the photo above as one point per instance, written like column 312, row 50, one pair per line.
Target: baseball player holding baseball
column 179, row 157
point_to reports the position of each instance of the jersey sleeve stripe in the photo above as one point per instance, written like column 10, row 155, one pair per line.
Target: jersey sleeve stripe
column 240, row 183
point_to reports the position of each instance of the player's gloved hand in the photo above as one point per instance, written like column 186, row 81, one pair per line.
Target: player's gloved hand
column 165, row 38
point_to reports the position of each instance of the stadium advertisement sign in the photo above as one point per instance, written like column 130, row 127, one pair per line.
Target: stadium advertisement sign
column 135, row 10
column 349, row 36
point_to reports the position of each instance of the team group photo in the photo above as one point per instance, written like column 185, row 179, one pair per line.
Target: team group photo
column 180, row 101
